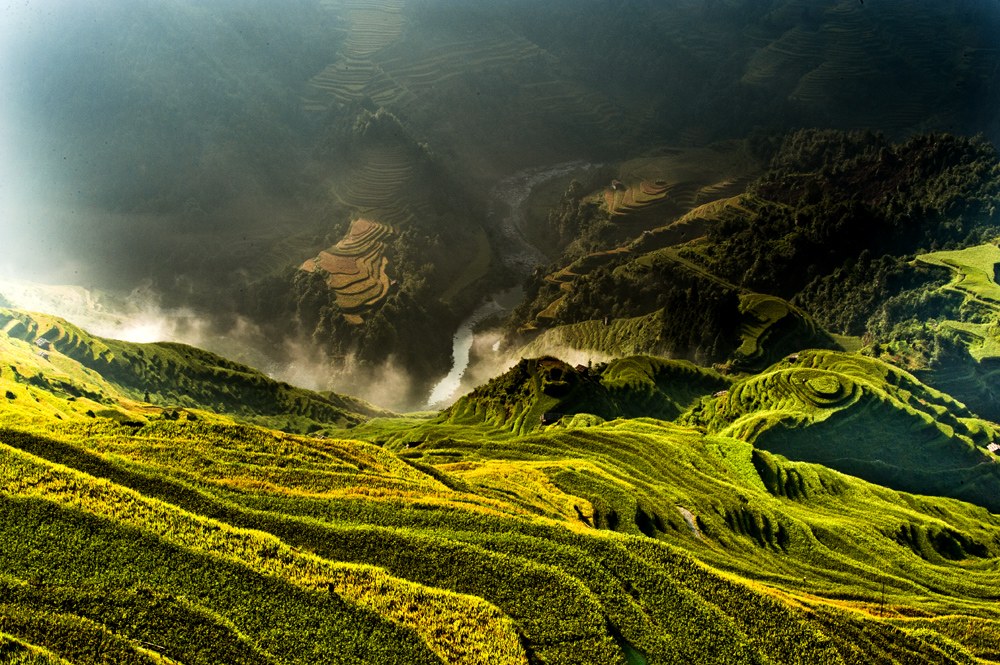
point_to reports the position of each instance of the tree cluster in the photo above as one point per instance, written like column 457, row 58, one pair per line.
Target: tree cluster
column 829, row 196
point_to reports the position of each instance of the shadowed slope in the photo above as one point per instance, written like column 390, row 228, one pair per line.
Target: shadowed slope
column 541, row 391
column 864, row 417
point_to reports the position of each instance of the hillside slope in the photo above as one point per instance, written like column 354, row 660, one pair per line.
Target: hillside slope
column 829, row 248
column 142, row 537
column 205, row 153
column 44, row 353
column 863, row 417
column 543, row 391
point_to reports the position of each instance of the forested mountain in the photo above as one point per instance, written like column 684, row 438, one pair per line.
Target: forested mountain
column 835, row 245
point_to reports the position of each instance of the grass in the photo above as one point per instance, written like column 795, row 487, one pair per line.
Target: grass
column 771, row 328
column 637, row 197
column 481, row 536
column 974, row 269
column 619, row 337
column 974, row 278
column 536, row 393
column 534, row 549
column 17, row 652
column 83, row 373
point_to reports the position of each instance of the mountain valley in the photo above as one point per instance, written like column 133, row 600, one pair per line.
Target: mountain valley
column 441, row 331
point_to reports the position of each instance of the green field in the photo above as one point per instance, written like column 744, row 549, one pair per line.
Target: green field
column 658, row 519
column 974, row 279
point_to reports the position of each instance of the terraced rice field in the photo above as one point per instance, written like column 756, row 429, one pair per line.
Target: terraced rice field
column 576, row 104
column 371, row 27
column 357, row 268
column 975, row 272
column 381, row 177
column 765, row 321
column 596, row 340
column 153, row 538
column 420, row 67
column 862, row 417
column 795, row 52
column 665, row 200
column 722, row 189
column 838, row 62
column 566, row 276
column 382, row 185
column 624, row 200
column 841, row 58
column 409, row 67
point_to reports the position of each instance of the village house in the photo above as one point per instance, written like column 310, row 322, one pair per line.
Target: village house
column 549, row 418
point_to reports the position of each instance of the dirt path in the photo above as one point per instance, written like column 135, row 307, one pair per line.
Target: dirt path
column 689, row 518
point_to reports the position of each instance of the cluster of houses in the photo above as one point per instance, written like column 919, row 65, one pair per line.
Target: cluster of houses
column 44, row 346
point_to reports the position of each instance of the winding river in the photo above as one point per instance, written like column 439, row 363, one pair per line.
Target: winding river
column 505, row 221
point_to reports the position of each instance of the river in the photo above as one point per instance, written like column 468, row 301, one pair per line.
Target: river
column 505, row 221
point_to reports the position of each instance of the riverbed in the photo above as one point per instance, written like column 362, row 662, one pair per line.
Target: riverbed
column 506, row 222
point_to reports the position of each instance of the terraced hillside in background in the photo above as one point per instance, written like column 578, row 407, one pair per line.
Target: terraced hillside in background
column 974, row 280
column 655, row 203
column 254, row 170
column 356, row 266
column 369, row 27
column 405, row 249
column 818, row 251
column 854, row 43
column 838, row 64
column 144, row 537
column 487, row 91
column 826, row 65
column 433, row 72
column 477, row 93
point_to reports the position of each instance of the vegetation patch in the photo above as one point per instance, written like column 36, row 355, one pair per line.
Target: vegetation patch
column 545, row 391
column 152, row 536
